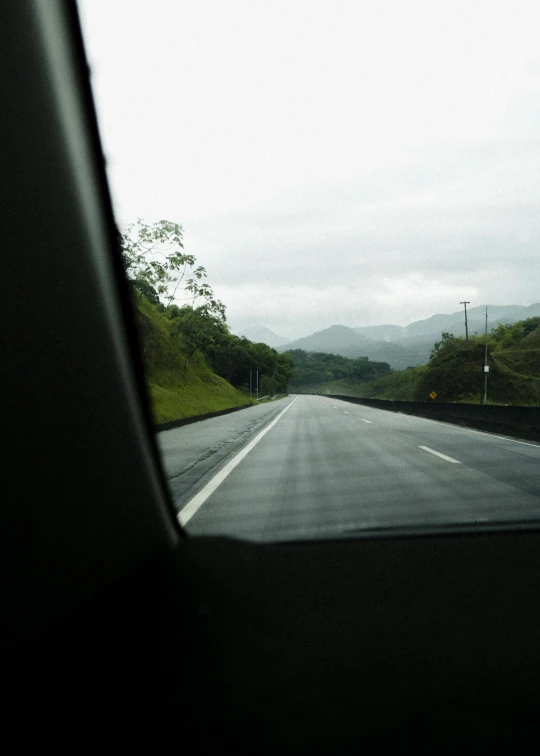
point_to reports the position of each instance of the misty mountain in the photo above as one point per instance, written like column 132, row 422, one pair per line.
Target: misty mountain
column 431, row 328
column 263, row 335
column 404, row 346
column 385, row 332
column 346, row 342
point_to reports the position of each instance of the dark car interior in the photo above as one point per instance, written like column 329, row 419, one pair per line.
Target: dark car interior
column 119, row 631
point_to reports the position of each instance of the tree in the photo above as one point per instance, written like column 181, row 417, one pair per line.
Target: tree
column 447, row 344
column 160, row 270
column 201, row 328
column 146, row 290
column 155, row 262
column 530, row 325
column 318, row 367
column 454, row 369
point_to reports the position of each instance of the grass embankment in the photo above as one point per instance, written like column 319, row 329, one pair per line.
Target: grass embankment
column 176, row 389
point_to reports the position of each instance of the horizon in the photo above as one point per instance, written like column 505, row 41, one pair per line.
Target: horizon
column 238, row 330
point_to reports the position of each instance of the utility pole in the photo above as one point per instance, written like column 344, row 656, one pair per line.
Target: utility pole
column 466, row 325
column 412, row 368
column 250, row 382
column 486, row 366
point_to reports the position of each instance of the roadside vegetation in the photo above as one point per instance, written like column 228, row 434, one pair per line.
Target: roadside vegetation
column 193, row 363
column 311, row 368
column 455, row 371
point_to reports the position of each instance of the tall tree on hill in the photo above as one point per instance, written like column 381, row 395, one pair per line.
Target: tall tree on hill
column 156, row 264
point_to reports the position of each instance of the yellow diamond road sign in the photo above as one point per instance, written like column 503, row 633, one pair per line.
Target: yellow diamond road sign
column 433, row 395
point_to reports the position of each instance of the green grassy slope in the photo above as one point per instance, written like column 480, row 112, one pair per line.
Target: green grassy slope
column 531, row 341
column 524, row 357
column 176, row 390
column 522, row 361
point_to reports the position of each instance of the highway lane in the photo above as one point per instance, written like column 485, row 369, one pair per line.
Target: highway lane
column 192, row 452
column 330, row 468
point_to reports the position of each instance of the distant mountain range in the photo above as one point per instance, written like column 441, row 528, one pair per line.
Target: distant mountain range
column 453, row 323
column 261, row 334
column 404, row 346
column 347, row 342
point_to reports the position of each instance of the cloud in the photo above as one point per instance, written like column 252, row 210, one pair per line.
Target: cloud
column 450, row 217
column 296, row 310
column 331, row 163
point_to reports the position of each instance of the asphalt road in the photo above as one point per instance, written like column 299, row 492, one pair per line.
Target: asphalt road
column 327, row 468
column 192, row 453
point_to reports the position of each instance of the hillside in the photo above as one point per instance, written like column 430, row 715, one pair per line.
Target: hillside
column 429, row 329
column 455, row 322
column 404, row 346
column 455, row 373
column 347, row 343
column 521, row 361
column 263, row 335
column 311, row 368
column 176, row 390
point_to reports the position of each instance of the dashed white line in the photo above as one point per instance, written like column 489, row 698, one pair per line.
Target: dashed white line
column 346, row 413
column 187, row 512
column 363, row 419
column 442, row 456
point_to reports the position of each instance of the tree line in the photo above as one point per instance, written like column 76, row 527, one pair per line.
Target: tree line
column 159, row 270
column 311, row 368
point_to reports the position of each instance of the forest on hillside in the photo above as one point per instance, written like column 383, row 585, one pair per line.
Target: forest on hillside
column 186, row 343
column 316, row 367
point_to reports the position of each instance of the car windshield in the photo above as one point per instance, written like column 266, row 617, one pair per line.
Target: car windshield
column 328, row 218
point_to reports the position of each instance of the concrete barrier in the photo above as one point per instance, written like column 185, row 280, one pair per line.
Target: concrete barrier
column 521, row 422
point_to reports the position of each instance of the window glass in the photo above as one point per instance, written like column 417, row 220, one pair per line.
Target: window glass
column 329, row 220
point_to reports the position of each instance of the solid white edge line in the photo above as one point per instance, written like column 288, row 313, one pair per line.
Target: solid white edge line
column 187, row 512
column 489, row 434
column 438, row 454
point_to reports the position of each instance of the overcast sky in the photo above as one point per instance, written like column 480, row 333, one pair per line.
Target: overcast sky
column 331, row 162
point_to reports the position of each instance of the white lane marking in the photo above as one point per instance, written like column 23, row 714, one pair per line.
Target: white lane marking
column 467, row 430
column 187, row 512
column 438, row 454
column 346, row 413
column 363, row 419
column 491, row 435
column 334, row 406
